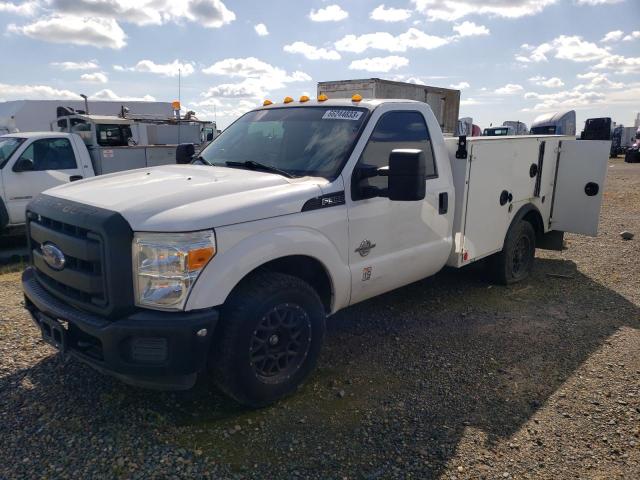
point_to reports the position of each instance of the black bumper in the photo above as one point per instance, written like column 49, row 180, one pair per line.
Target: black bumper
column 151, row 349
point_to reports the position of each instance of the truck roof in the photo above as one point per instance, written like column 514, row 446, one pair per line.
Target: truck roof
column 369, row 103
column 38, row 135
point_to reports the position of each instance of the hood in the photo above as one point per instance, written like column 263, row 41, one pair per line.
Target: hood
column 176, row 198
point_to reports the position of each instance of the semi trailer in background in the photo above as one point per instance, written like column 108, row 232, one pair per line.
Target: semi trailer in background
column 444, row 102
column 559, row 123
column 597, row 129
column 468, row 128
column 622, row 139
column 518, row 127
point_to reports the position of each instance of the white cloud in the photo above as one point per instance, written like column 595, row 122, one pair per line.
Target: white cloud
column 311, row 52
column 26, row 9
column 451, row 10
column 460, row 86
column 613, row 36
column 390, row 14
column 107, row 94
column 89, row 65
column 509, row 89
column 553, row 82
column 248, row 88
column 619, row 64
column 259, row 77
column 379, row 64
column 331, row 13
column 70, row 29
column 164, row 69
column 35, row 92
column 210, row 13
column 412, row 38
column 467, row 29
column 261, row 29
column 632, row 36
column 468, row 102
column 564, row 47
column 566, row 99
column 598, row 2
column 598, row 81
column 96, row 77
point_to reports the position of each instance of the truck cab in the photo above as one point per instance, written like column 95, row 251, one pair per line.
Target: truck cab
column 33, row 162
column 230, row 265
column 502, row 131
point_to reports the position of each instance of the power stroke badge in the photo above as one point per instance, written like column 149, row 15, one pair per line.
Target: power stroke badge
column 365, row 248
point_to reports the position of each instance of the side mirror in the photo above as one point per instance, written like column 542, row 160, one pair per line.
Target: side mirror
column 407, row 175
column 23, row 165
column 209, row 136
column 185, row 153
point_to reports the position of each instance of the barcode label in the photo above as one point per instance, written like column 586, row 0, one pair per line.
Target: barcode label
column 342, row 115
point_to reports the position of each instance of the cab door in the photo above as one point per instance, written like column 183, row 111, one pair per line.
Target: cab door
column 393, row 243
column 42, row 164
column 579, row 186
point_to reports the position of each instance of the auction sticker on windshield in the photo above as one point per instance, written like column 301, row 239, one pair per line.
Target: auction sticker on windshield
column 342, row 115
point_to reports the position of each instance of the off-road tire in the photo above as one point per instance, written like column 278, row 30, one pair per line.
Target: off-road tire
column 515, row 261
column 246, row 310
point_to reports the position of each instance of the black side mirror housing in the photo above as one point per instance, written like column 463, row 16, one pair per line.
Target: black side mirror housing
column 407, row 175
column 185, row 153
column 209, row 137
column 23, row 165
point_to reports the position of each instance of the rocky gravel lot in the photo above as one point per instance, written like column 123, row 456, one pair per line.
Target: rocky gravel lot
column 448, row 378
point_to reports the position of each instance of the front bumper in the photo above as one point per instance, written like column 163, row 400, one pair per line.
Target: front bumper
column 150, row 349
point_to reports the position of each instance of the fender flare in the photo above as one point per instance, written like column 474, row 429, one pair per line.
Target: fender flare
column 523, row 212
column 230, row 267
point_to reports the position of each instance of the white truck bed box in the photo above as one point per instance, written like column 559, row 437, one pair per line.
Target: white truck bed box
column 506, row 164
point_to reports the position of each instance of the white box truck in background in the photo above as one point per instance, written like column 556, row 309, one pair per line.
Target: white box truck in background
column 444, row 102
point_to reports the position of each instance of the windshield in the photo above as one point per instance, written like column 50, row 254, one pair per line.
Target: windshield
column 547, row 130
column 8, row 145
column 113, row 135
column 496, row 132
column 301, row 141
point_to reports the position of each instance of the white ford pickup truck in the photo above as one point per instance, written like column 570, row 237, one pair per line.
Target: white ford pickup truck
column 230, row 265
column 31, row 163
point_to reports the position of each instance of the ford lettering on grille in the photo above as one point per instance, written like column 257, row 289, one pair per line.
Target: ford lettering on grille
column 53, row 256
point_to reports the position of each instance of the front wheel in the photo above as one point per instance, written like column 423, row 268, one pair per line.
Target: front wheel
column 269, row 340
column 515, row 261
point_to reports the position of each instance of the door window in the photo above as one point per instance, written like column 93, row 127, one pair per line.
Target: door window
column 113, row 135
column 394, row 130
column 50, row 154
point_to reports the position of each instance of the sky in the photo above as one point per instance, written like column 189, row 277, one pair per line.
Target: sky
column 512, row 59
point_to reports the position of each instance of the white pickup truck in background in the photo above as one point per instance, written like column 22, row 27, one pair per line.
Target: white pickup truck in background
column 295, row 211
column 31, row 163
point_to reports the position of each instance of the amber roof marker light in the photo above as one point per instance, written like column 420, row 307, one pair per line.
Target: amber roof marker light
column 266, row 103
column 356, row 98
column 288, row 100
column 304, row 98
column 322, row 97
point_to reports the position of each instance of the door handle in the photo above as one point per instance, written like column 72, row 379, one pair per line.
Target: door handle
column 74, row 178
column 443, row 203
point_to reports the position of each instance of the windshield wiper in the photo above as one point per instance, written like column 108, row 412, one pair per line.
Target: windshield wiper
column 260, row 166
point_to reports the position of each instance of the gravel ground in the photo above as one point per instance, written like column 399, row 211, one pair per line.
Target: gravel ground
column 450, row 377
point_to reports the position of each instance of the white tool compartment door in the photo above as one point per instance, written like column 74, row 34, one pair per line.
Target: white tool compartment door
column 579, row 187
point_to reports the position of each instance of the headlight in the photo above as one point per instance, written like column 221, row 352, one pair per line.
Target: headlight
column 166, row 265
